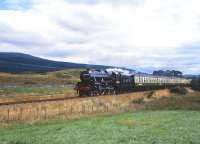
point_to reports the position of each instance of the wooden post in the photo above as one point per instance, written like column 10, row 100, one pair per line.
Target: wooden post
column 37, row 112
column 20, row 115
column 45, row 113
column 83, row 108
column 92, row 108
column 71, row 109
column 8, row 115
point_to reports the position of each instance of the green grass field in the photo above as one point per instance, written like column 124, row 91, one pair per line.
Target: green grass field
column 147, row 127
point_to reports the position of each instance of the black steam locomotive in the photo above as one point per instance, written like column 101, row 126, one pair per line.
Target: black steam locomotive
column 116, row 81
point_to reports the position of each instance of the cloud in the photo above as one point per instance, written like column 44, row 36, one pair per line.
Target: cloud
column 140, row 34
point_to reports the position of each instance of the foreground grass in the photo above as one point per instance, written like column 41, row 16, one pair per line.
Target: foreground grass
column 159, row 127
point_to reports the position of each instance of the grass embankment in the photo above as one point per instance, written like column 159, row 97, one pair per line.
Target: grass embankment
column 159, row 127
column 189, row 101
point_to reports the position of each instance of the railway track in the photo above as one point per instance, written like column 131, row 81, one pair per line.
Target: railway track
column 58, row 99
column 45, row 100
column 38, row 100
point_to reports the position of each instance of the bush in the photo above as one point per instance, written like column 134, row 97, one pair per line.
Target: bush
column 29, row 83
column 179, row 90
column 195, row 84
column 138, row 100
column 150, row 95
column 29, row 72
column 62, row 75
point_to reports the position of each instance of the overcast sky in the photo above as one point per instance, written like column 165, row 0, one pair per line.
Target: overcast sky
column 139, row 34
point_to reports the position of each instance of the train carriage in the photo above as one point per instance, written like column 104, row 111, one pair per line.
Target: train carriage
column 150, row 80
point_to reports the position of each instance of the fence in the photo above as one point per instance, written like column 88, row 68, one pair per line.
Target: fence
column 68, row 108
column 47, row 110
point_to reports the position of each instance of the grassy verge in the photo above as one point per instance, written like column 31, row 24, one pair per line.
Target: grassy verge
column 35, row 90
column 69, row 76
column 158, row 127
column 191, row 101
column 28, row 93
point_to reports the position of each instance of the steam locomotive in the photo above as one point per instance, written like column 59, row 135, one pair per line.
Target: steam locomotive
column 116, row 81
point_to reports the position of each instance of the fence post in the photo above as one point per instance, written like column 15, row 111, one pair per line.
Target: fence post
column 71, row 109
column 45, row 113
column 8, row 115
column 20, row 115
column 37, row 113
column 92, row 108
column 83, row 108
column 59, row 110
column 66, row 111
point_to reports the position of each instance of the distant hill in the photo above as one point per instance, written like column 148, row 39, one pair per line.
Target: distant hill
column 19, row 62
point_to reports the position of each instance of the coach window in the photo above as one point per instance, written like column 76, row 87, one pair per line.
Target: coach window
column 140, row 79
column 137, row 79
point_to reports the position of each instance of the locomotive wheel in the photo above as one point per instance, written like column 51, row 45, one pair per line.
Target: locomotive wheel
column 109, row 92
column 81, row 94
column 91, row 93
column 113, row 92
column 103, row 92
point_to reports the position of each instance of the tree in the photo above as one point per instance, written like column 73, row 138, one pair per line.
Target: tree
column 195, row 84
column 168, row 73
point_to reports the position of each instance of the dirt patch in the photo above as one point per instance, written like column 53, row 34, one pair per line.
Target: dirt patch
column 129, row 123
column 190, row 90
column 161, row 93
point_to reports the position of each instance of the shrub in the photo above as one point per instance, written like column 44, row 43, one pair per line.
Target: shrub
column 150, row 95
column 29, row 83
column 28, row 72
column 195, row 84
column 138, row 100
column 62, row 75
column 179, row 90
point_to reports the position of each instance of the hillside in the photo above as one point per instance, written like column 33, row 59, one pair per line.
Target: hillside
column 19, row 62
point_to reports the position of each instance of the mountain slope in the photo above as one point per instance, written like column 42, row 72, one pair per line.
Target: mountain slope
column 19, row 62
